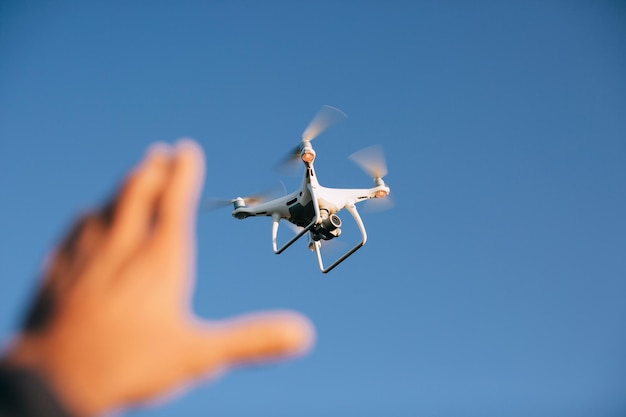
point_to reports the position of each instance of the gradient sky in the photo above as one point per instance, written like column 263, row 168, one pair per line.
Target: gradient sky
column 494, row 287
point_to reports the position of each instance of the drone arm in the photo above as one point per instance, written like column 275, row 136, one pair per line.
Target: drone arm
column 351, row 208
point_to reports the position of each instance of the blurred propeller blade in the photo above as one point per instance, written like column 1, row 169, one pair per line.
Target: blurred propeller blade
column 290, row 162
column 266, row 195
column 325, row 118
column 371, row 160
column 333, row 246
column 295, row 229
column 251, row 200
column 215, row 203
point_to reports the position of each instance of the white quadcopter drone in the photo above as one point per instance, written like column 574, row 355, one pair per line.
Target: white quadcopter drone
column 312, row 209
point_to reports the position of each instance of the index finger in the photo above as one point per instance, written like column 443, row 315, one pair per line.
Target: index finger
column 177, row 209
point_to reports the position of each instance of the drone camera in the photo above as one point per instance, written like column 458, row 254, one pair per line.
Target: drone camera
column 331, row 222
column 329, row 227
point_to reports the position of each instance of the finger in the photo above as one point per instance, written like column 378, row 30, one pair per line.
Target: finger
column 83, row 239
column 178, row 204
column 134, row 209
column 255, row 338
column 80, row 250
column 64, row 269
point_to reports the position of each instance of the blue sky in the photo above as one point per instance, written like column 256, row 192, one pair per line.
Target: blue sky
column 496, row 284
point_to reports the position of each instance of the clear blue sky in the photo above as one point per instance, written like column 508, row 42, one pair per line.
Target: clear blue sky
column 495, row 286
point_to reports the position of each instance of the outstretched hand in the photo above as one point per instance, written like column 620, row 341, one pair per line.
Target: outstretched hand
column 112, row 325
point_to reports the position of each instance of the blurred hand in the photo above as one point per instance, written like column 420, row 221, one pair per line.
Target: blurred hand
column 112, row 324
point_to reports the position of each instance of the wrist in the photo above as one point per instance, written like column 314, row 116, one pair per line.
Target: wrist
column 32, row 355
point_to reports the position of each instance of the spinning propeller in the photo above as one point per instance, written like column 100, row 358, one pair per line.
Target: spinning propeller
column 251, row 200
column 372, row 161
column 325, row 118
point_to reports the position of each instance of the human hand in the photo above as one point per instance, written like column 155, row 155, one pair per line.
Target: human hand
column 112, row 324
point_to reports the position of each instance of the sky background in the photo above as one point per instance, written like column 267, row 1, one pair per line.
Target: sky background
column 495, row 286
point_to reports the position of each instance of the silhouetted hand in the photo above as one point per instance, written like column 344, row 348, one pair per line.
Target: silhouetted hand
column 112, row 324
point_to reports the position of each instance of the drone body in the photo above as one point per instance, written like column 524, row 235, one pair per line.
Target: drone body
column 313, row 208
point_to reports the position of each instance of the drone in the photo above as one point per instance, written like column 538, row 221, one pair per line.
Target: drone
column 312, row 208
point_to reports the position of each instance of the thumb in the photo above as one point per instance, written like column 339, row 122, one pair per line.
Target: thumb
column 254, row 338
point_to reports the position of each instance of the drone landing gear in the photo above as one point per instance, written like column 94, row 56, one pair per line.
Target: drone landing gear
column 317, row 243
column 355, row 214
column 275, row 221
